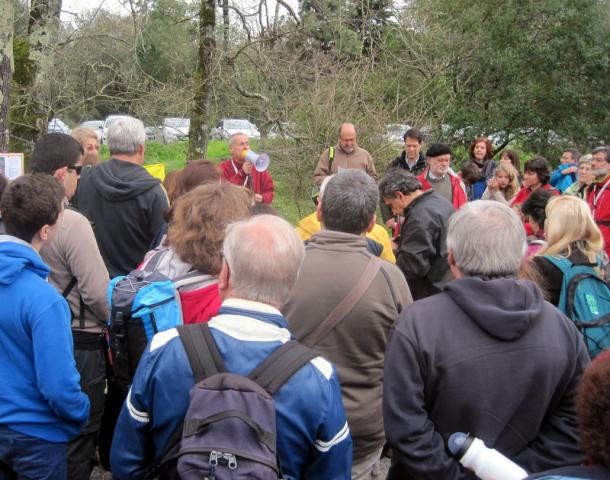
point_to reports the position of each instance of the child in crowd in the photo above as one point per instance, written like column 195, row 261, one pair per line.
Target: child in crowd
column 503, row 187
column 470, row 174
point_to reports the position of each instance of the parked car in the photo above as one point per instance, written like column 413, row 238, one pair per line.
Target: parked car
column 395, row 132
column 57, row 126
column 229, row 126
column 96, row 125
column 175, row 129
column 110, row 119
column 287, row 130
column 153, row 134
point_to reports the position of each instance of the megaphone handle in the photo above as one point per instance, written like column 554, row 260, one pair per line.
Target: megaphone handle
column 248, row 182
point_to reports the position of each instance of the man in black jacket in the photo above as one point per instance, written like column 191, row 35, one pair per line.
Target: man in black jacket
column 124, row 202
column 422, row 251
column 411, row 159
column 486, row 356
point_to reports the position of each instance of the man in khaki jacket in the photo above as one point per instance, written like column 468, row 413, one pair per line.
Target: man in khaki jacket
column 335, row 259
column 79, row 273
column 346, row 154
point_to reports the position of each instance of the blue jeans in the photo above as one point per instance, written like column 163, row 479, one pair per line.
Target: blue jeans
column 25, row 457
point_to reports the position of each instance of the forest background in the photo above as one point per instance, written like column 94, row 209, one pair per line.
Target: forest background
column 532, row 74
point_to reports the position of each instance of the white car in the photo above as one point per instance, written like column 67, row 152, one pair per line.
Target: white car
column 230, row 126
column 110, row 119
column 394, row 133
column 57, row 126
column 175, row 129
column 96, row 125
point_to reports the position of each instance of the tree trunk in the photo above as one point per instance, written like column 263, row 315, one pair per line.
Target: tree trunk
column 202, row 81
column 6, row 69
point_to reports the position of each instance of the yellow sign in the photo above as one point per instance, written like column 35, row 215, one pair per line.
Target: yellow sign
column 157, row 170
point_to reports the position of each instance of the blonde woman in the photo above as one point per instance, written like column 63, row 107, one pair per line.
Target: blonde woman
column 571, row 234
column 503, row 187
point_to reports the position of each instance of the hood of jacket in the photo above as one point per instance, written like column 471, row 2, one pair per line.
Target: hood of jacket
column 117, row 180
column 503, row 307
column 16, row 256
column 337, row 241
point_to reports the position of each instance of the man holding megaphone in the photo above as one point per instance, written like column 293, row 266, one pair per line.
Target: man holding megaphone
column 248, row 169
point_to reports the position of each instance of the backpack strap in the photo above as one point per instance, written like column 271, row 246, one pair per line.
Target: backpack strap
column 346, row 305
column 331, row 157
column 201, row 350
column 282, row 364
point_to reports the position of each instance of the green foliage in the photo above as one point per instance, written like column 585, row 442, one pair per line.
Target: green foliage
column 168, row 47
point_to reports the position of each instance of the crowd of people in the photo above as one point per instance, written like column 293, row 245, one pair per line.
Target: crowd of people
column 457, row 320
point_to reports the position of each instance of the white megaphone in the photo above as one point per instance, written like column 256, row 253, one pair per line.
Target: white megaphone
column 260, row 161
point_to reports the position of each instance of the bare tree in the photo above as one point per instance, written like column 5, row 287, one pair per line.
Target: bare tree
column 6, row 69
column 203, row 81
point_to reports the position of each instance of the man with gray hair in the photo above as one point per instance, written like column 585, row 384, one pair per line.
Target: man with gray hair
column 238, row 171
column 488, row 356
column 124, row 202
column 313, row 439
column 421, row 251
column 598, row 196
column 336, row 263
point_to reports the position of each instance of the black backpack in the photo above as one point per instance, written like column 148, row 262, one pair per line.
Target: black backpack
column 229, row 430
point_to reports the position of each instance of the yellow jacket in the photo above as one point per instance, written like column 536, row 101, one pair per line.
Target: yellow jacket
column 309, row 225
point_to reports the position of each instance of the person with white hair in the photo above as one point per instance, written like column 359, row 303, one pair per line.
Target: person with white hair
column 239, row 171
column 124, row 202
column 486, row 356
column 313, row 439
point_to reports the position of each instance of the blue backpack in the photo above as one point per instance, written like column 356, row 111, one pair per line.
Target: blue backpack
column 142, row 303
column 585, row 298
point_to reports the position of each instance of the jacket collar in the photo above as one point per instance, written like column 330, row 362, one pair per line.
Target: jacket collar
column 333, row 240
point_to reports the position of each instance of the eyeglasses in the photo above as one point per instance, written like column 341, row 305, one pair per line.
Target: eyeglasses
column 76, row 168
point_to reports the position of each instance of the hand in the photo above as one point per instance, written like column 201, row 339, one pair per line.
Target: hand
column 567, row 171
column 390, row 223
column 247, row 168
column 492, row 184
column 257, row 197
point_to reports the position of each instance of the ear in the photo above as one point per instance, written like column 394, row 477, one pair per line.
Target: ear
column 452, row 265
column 223, row 279
column 61, row 173
column 371, row 224
column 141, row 149
column 43, row 233
column 319, row 210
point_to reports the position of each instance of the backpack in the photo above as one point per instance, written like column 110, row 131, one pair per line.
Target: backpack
column 229, row 430
column 585, row 298
column 142, row 303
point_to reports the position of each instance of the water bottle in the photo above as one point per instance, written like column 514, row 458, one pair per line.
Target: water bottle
column 486, row 463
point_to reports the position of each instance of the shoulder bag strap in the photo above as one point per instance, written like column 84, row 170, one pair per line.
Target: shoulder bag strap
column 282, row 364
column 331, row 157
column 347, row 304
column 201, row 350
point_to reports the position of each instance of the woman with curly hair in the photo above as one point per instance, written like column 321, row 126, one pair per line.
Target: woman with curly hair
column 194, row 241
column 593, row 417
column 481, row 153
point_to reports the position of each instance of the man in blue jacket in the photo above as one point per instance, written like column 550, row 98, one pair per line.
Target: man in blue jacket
column 313, row 438
column 41, row 404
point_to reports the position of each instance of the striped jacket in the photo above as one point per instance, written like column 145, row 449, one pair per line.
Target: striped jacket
column 313, row 437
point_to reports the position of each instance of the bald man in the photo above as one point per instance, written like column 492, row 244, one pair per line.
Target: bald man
column 346, row 154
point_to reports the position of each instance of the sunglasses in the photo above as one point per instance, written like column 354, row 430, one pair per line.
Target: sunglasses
column 76, row 168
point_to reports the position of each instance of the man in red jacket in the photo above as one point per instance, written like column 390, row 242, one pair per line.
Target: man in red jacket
column 240, row 172
column 439, row 176
column 599, row 195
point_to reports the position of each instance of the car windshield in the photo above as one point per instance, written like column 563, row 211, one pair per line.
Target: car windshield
column 237, row 124
column 177, row 122
column 93, row 124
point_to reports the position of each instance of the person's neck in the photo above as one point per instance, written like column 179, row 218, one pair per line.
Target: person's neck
column 602, row 178
column 237, row 161
column 535, row 187
column 411, row 162
column 130, row 158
